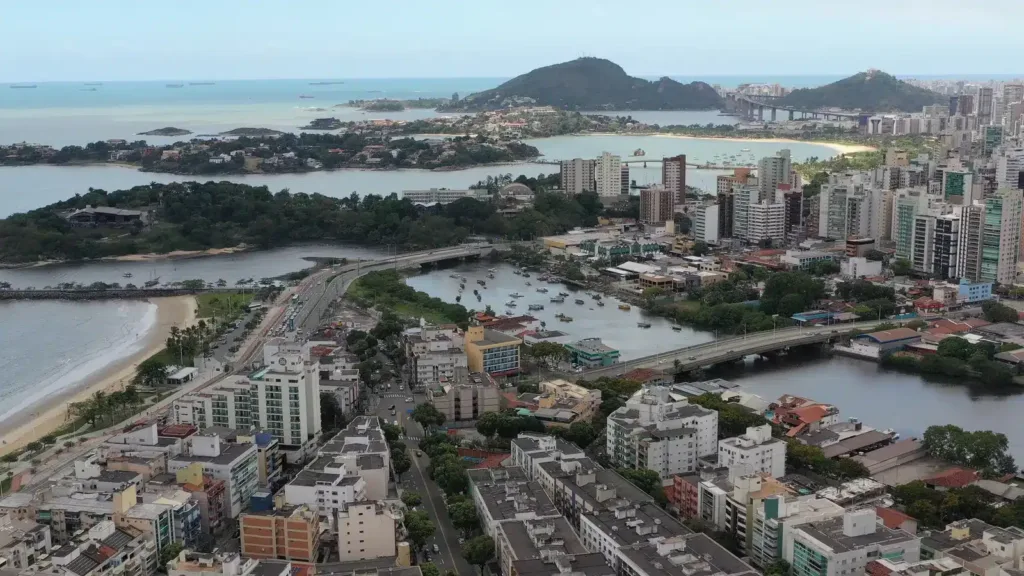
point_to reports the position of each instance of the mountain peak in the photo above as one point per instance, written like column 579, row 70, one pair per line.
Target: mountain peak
column 871, row 90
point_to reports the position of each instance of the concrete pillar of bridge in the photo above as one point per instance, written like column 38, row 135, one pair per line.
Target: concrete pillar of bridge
column 790, row 115
column 774, row 110
column 760, row 113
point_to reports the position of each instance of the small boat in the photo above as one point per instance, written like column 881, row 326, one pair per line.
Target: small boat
column 558, row 300
column 744, row 149
column 643, row 324
column 509, row 312
column 579, row 301
column 478, row 298
column 677, row 328
column 517, row 272
column 599, row 303
column 595, row 296
column 481, row 282
column 566, row 318
column 563, row 294
column 535, row 307
column 515, row 295
column 526, row 274
column 453, row 276
column 174, row 85
column 529, row 284
column 623, row 306
column 492, row 270
column 127, row 275
column 511, row 303
column 639, row 152
column 491, row 276
column 542, row 290
column 306, row 96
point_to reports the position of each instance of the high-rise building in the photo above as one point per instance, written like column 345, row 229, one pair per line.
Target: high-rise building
column 817, row 548
column 744, row 196
column 766, row 221
column 954, row 103
column 992, row 136
column 656, row 205
column 772, row 171
column 847, row 209
column 812, row 222
column 608, row 175
column 624, row 177
column 1000, row 242
column 906, row 207
column 965, row 105
column 726, row 206
column 725, row 182
column 756, row 450
column 705, row 223
column 577, row 176
column 673, row 177
column 1009, row 165
column 1013, row 92
column 984, row 106
column 793, row 200
column 957, row 187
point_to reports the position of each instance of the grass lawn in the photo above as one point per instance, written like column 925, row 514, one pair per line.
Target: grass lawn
column 222, row 305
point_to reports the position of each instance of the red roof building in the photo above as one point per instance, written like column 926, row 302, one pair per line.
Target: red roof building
column 952, row 478
column 896, row 520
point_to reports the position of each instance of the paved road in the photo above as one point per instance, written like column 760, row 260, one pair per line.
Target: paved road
column 446, row 536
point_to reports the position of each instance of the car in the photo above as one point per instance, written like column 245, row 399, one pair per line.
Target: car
column 461, row 540
column 692, row 358
column 392, row 408
column 409, row 399
column 418, row 453
column 436, row 549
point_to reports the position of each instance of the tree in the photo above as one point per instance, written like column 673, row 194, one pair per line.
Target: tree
column 429, row 569
column 331, row 416
column 411, row 499
column 777, row 568
column 982, row 450
column 400, row 462
column 700, row 248
column 391, row 433
column 427, row 415
column 151, row 372
column 647, row 480
column 549, row 352
column 419, row 526
column 956, row 347
column 170, row 552
column 850, row 469
column 901, row 267
column 996, row 312
column 581, row 433
column 875, row 255
column 478, row 551
column 463, row 515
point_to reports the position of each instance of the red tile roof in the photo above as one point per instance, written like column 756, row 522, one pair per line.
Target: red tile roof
column 876, row 568
column 892, row 518
column 953, row 478
column 811, row 414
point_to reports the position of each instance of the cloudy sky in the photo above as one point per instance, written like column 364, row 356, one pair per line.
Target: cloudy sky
column 240, row 39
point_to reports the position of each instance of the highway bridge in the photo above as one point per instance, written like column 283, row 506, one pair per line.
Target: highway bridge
column 708, row 354
column 753, row 107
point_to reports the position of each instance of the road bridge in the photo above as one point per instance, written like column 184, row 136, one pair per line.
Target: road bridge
column 708, row 354
column 754, row 107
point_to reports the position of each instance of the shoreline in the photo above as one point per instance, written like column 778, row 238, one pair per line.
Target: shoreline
column 50, row 413
column 836, row 146
column 148, row 257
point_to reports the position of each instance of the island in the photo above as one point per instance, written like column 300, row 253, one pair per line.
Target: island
column 167, row 131
column 590, row 84
column 253, row 132
column 323, row 124
column 390, row 105
column 873, row 91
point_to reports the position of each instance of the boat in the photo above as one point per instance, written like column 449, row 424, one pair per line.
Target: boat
column 744, row 149
column 566, row 318
column 579, row 301
column 481, row 282
column 529, row 284
column 563, row 294
column 326, row 83
column 23, row 86
column 517, row 272
column 526, row 274
column 93, row 84
column 491, row 276
column 511, row 303
column 558, row 300
column 88, row 90
column 639, row 152
column 677, row 328
column 600, row 303
column 478, row 298
column 173, row 85
column 151, row 283
column 127, row 275
column 644, row 324
column 542, row 290
column 623, row 306
column 201, row 83
column 535, row 307
column 453, row 275
column 509, row 312
column 595, row 296
column 306, row 97
column 492, row 270
column 515, row 295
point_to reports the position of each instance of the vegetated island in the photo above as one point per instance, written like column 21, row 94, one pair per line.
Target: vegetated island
column 389, row 105
column 259, row 151
column 590, row 84
column 323, row 124
column 873, row 90
column 166, row 131
column 253, row 132
column 202, row 215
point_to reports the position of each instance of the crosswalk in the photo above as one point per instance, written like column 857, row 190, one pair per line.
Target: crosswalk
column 399, row 395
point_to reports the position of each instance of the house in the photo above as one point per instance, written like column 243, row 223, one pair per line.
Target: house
column 952, row 478
column 105, row 216
column 877, row 344
column 896, row 520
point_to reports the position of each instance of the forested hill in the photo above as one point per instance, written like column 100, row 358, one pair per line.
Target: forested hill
column 591, row 84
column 197, row 216
column 873, row 91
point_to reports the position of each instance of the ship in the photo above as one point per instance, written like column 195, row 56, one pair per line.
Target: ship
column 453, row 276
column 127, row 275
column 579, row 301
column 306, row 96
column 595, row 296
column 151, row 283
column 515, row 295
column 623, row 306
column 511, row 303
column 542, row 290
column 517, row 272
column 93, row 84
column 677, row 328
column 535, row 307
column 526, row 274
column 173, row 85
column 88, row 90
column 201, row 83
column 481, row 282
column 644, row 324
column 639, row 152
column 558, row 300
column 744, row 149
column 565, row 318
column 23, row 86
column 528, row 283
column 600, row 303
column 563, row 294
column 326, row 83
column 492, row 270
column 491, row 276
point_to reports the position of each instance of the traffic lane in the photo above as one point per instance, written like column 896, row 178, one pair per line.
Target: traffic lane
column 446, row 538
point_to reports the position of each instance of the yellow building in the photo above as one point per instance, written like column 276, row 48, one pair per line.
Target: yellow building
column 492, row 352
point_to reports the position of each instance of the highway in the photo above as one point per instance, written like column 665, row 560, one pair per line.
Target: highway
column 723, row 350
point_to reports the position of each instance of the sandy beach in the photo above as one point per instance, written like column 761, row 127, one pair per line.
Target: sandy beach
column 840, row 148
column 180, row 254
column 47, row 416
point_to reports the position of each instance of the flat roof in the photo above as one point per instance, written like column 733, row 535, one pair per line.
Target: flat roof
column 830, row 533
column 228, row 454
column 687, row 555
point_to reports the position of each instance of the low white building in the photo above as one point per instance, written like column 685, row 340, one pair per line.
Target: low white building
column 844, row 545
column 859, row 267
column 236, row 464
column 756, row 450
column 325, row 485
column 705, row 224
column 366, row 530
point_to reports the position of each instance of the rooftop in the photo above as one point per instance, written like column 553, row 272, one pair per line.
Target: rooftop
column 687, row 555
column 508, row 495
column 228, row 454
column 830, row 533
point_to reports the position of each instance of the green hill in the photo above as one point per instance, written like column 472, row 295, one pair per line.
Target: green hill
column 591, row 84
column 873, row 91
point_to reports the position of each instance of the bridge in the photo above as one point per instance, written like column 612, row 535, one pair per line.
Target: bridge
column 754, row 107
column 718, row 351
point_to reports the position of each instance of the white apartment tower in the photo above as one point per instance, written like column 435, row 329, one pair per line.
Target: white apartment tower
column 577, row 176
column 608, row 175
column 766, row 221
column 756, row 451
column 705, row 224
column 1009, row 165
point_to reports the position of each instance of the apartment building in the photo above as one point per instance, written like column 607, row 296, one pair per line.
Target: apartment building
column 726, row 213
column 683, row 555
column 772, row 524
column 844, row 545
column 235, row 464
column 325, row 485
column 23, row 542
column 653, row 431
column 529, row 451
column 743, row 197
column 766, row 221
column 211, row 496
column 586, row 402
column 465, row 397
column 673, row 178
column 440, row 196
column 366, row 530
column 492, row 352
column 577, row 176
column 435, row 352
column 608, row 175
column 543, row 547
column 755, row 450
column 656, row 205
column 705, row 223
column 105, row 550
column 290, row 533
column 979, row 547
column 361, row 448
column 191, row 563
column 1001, row 237
column 507, row 495
column 772, row 171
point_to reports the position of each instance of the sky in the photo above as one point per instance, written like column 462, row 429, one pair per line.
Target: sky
column 114, row 40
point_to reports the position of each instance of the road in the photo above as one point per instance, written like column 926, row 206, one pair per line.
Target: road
column 726, row 349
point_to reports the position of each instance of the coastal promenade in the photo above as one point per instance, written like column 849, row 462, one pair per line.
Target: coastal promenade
column 728, row 349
